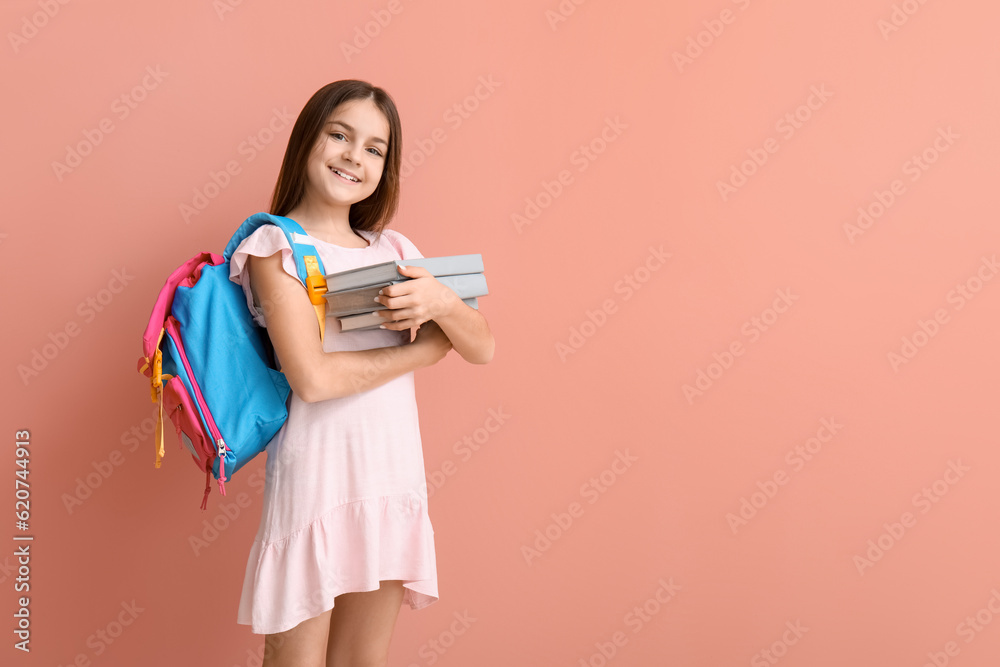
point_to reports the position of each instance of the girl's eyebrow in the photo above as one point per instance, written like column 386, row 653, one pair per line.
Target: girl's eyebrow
column 376, row 140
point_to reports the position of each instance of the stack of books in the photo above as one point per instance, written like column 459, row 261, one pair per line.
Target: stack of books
column 350, row 295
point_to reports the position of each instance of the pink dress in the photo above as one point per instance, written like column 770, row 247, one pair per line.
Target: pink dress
column 345, row 503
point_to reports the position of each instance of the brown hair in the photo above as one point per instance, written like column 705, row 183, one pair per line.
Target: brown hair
column 372, row 213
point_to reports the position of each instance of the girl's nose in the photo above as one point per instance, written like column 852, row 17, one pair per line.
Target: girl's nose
column 351, row 154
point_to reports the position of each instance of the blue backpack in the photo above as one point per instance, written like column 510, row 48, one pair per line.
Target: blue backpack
column 212, row 367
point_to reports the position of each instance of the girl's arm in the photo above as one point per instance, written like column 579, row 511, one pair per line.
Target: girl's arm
column 413, row 302
column 315, row 375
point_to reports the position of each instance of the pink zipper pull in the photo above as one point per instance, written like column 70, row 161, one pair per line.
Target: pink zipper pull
column 222, row 465
column 208, row 487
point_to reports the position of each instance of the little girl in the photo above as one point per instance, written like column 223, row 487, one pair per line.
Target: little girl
column 345, row 537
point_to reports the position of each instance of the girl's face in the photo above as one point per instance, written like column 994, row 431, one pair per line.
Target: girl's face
column 354, row 143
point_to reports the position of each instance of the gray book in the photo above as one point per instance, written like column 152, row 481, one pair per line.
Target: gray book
column 371, row 320
column 362, row 300
column 387, row 272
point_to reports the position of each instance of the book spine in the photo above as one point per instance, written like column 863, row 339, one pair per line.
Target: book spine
column 389, row 271
column 369, row 320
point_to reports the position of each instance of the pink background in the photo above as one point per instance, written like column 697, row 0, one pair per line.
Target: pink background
column 841, row 545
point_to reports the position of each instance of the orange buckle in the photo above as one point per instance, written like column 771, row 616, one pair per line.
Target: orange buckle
column 315, row 281
column 156, row 380
column 316, row 286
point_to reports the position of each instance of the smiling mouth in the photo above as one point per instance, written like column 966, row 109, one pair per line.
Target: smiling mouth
column 344, row 176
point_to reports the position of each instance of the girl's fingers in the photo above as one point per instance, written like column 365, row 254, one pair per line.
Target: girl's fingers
column 405, row 318
column 395, row 313
column 399, row 325
column 396, row 319
column 414, row 312
column 395, row 302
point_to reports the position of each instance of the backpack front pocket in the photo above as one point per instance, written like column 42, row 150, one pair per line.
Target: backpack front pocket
column 180, row 409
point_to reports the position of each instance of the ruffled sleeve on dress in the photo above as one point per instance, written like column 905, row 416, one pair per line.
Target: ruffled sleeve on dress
column 401, row 244
column 263, row 242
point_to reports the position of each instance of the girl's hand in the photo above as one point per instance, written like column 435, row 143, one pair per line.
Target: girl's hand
column 413, row 302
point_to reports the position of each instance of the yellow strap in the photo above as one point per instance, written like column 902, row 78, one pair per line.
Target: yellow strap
column 321, row 317
column 156, row 391
column 158, row 436
column 316, row 287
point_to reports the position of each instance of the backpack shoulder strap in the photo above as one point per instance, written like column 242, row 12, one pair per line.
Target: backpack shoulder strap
column 307, row 261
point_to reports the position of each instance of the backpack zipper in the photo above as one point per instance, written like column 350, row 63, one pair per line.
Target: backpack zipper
column 173, row 328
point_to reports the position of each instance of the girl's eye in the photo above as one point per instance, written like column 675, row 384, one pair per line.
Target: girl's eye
column 375, row 151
